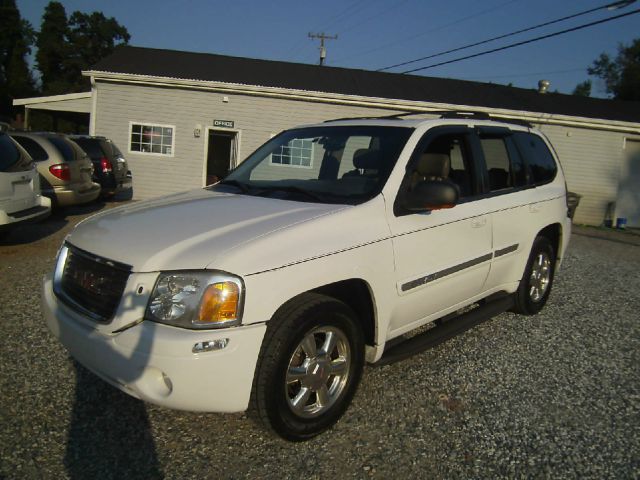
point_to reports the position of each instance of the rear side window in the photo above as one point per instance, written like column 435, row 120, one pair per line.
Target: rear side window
column 35, row 150
column 505, row 167
column 9, row 154
column 91, row 146
column 64, row 147
column 542, row 165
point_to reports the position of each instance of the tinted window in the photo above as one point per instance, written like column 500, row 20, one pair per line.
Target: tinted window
column 64, row 147
column 91, row 146
column 541, row 164
column 36, row 151
column 496, row 159
column 518, row 167
column 505, row 167
column 9, row 154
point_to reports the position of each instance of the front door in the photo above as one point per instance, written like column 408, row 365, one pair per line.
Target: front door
column 442, row 257
column 221, row 154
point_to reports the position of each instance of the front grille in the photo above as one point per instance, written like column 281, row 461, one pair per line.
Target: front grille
column 92, row 284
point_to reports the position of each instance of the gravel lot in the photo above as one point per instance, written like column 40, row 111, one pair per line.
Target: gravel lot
column 553, row 396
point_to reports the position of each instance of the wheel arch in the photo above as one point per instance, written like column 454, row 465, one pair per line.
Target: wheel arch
column 357, row 295
column 554, row 233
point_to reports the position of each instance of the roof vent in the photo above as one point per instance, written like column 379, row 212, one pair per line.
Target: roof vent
column 543, row 86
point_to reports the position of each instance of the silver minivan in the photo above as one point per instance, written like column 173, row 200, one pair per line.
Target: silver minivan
column 65, row 169
column 20, row 199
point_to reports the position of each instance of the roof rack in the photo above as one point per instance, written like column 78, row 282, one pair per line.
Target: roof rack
column 451, row 114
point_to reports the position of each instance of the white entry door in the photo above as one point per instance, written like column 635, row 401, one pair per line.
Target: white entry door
column 628, row 202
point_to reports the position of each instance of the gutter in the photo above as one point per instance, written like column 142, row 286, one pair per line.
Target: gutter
column 367, row 102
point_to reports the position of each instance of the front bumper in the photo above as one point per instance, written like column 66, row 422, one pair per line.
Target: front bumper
column 155, row 362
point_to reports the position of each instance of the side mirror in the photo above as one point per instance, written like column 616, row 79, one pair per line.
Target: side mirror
column 431, row 195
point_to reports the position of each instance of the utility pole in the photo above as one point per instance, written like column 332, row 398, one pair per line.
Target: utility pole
column 322, row 37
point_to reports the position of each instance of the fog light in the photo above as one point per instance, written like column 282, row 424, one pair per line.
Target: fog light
column 210, row 345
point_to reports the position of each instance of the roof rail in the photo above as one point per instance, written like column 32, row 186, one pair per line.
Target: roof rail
column 451, row 114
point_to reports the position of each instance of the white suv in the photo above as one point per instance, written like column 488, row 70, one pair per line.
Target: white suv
column 269, row 290
column 20, row 198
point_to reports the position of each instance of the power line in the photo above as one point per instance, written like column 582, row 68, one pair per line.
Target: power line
column 555, row 34
column 374, row 16
column 617, row 4
column 523, row 75
column 435, row 29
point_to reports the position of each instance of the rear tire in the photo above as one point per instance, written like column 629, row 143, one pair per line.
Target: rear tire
column 310, row 364
column 536, row 282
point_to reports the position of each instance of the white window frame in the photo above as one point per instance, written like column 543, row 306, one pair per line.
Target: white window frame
column 310, row 166
column 150, row 124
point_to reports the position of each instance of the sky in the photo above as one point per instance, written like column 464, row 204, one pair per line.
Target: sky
column 374, row 34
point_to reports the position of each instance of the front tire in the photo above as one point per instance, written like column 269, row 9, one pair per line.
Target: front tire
column 536, row 282
column 310, row 365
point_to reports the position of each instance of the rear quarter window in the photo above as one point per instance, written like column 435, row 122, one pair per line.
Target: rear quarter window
column 64, row 147
column 35, row 150
column 9, row 154
column 538, row 157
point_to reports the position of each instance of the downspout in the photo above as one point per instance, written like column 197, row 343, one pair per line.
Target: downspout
column 94, row 105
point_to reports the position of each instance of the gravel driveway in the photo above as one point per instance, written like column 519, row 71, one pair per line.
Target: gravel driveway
column 553, row 396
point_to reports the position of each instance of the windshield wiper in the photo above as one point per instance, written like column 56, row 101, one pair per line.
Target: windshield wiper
column 234, row 183
column 293, row 189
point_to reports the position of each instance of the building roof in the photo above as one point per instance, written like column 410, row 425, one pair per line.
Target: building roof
column 297, row 76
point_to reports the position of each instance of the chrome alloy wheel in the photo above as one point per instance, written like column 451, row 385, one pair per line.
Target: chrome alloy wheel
column 540, row 277
column 318, row 371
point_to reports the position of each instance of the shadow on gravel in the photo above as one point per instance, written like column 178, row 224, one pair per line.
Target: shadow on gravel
column 32, row 232
column 109, row 435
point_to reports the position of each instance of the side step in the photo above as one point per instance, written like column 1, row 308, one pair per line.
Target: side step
column 445, row 330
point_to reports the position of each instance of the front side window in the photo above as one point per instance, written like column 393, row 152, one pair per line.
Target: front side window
column 149, row 138
column 332, row 164
column 445, row 157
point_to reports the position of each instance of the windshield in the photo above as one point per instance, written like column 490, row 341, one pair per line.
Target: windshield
column 345, row 164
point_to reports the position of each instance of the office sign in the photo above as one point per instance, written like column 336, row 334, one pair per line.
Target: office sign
column 223, row 123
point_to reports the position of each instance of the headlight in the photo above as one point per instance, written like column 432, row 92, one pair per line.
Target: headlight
column 196, row 300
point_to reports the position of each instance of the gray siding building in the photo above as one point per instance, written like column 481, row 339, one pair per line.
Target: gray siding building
column 183, row 119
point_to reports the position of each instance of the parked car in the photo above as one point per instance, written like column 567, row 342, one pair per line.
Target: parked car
column 65, row 170
column 110, row 168
column 269, row 290
column 20, row 198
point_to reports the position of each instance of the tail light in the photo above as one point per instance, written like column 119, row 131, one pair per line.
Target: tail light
column 61, row 171
column 105, row 165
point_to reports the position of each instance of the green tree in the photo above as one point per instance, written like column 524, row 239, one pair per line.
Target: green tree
column 583, row 89
column 91, row 37
column 621, row 75
column 53, row 50
column 16, row 38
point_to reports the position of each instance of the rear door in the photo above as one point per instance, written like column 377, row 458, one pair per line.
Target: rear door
column 18, row 178
column 519, row 169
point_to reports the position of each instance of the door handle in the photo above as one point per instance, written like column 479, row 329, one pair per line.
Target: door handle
column 479, row 222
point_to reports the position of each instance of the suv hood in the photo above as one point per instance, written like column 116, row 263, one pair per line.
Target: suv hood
column 189, row 230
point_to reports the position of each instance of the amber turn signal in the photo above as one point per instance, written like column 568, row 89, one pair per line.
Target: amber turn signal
column 219, row 303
